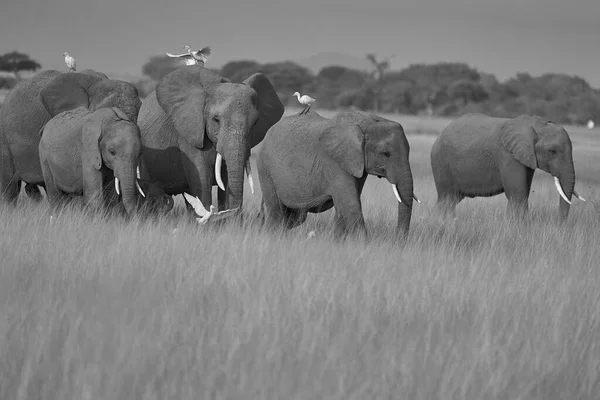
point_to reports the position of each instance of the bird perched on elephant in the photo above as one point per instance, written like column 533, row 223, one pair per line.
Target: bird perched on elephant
column 81, row 151
column 481, row 156
column 23, row 115
column 308, row 163
column 198, row 129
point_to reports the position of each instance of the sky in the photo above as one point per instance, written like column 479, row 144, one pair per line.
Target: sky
column 495, row 36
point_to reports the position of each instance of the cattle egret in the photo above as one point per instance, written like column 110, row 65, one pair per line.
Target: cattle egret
column 70, row 61
column 306, row 100
column 198, row 57
column 590, row 124
column 202, row 212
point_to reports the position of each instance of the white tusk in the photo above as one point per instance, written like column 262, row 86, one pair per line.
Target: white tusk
column 249, row 173
column 139, row 188
column 578, row 196
column 137, row 171
column 396, row 193
column 218, row 171
column 117, row 186
column 560, row 190
column 417, row 200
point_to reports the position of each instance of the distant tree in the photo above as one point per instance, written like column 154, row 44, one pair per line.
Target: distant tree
column 287, row 77
column 158, row 66
column 238, row 71
column 467, row 91
column 375, row 85
column 16, row 62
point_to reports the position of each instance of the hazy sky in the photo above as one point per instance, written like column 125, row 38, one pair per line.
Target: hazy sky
column 497, row 36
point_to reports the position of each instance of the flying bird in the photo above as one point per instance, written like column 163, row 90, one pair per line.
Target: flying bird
column 198, row 57
column 70, row 61
column 306, row 100
column 204, row 214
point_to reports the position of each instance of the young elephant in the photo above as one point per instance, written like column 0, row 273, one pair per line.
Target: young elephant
column 82, row 151
column 308, row 163
column 480, row 156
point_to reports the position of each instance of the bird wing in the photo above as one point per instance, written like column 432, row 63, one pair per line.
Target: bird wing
column 205, row 50
column 196, row 204
column 178, row 55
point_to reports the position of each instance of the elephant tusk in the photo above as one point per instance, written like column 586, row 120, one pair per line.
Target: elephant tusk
column 139, row 188
column 396, row 193
column 249, row 173
column 560, row 190
column 417, row 200
column 218, row 171
column 117, row 186
column 578, row 196
column 137, row 172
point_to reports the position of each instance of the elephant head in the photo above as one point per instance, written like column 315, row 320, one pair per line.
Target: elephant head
column 110, row 139
column 537, row 143
column 208, row 110
column 91, row 90
column 380, row 148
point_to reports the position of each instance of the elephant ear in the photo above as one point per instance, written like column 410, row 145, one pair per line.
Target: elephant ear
column 345, row 144
column 519, row 137
column 90, row 137
column 67, row 92
column 182, row 94
column 270, row 108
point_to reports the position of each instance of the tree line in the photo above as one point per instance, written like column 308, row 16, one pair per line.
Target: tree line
column 442, row 89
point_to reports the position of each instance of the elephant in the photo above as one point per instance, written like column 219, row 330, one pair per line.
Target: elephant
column 481, row 156
column 24, row 113
column 198, row 129
column 309, row 163
column 81, row 151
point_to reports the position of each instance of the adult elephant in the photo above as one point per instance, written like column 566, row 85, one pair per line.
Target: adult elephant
column 23, row 115
column 482, row 156
column 309, row 164
column 195, row 120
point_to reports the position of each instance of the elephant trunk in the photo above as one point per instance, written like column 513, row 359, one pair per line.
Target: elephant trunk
column 235, row 155
column 126, row 175
column 565, row 185
column 404, row 190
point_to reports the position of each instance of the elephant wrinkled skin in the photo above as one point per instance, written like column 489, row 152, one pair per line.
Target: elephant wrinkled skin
column 308, row 163
column 195, row 122
column 24, row 113
column 481, row 156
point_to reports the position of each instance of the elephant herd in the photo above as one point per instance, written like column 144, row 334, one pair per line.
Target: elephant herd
column 84, row 134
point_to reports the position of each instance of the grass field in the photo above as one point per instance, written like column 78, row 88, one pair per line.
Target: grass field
column 474, row 308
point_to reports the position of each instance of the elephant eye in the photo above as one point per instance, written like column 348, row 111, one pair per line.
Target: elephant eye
column 216, row 119
column 386, row 154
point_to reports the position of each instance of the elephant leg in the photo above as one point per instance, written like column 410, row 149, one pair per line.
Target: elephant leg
column 10, row 184
column 348, row 209
column 517, row 185
column 447, row 202
column 198, row 173
column 56, row 198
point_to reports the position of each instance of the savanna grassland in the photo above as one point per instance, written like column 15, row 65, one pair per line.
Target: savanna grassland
column 474, row 308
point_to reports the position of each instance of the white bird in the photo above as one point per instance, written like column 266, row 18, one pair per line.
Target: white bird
column 202, row 212
column 306, row 100
column 70, row 61
column 198, row 57
column 590, row 124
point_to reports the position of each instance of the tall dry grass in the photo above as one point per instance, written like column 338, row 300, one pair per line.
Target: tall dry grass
column 479, row 307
